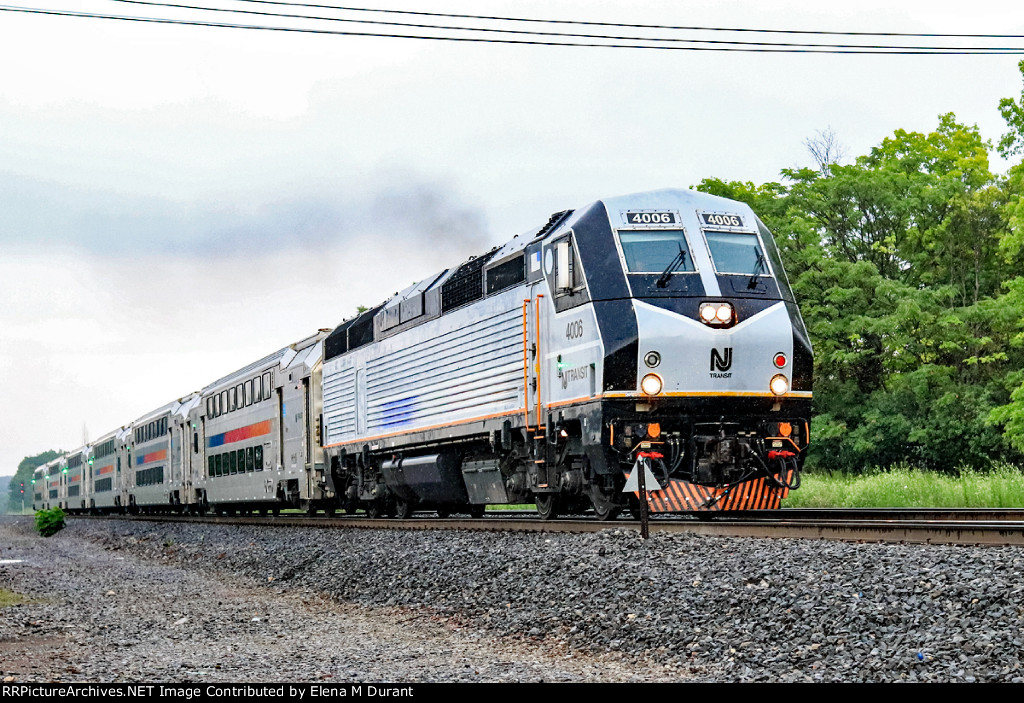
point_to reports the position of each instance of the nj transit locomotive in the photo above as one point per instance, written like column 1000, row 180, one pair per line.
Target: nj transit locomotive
column 656, row 327
column 659, row 323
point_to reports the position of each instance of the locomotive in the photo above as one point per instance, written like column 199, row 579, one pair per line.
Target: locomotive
column 652, row 332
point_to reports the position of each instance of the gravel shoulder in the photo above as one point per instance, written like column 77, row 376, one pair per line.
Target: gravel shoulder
column 99, row 613
column 221, row 603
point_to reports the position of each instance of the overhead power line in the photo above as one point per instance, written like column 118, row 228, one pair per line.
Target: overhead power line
column 563, row 35
column 636, row 43
column 634, row 25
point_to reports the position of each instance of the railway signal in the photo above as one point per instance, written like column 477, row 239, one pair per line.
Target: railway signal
column 638, row 481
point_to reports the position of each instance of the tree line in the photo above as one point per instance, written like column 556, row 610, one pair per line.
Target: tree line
column 907, row 265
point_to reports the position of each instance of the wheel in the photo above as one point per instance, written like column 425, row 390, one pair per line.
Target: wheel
column 605, row 511
column 329, row 511
column 351, row 508
column 444, row 513
column 477, row 511
column 547, row 505
column 403, row 509
column 374, row 509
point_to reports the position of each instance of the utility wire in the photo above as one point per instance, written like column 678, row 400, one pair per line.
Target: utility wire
column 636, row 26
column 333, row 32
column 678, row 40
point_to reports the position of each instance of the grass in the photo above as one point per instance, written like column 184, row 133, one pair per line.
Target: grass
column 10, row 598
column 907, row 487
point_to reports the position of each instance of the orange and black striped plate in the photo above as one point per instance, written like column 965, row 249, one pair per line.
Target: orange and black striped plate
column 685, row 497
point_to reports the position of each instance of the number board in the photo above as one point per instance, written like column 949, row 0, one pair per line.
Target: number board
column 721, row 219
column 651, row 217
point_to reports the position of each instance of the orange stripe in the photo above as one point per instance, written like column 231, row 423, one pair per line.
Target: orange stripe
column 707, row 394
column 696, row 494
column 673, row 498
column 749, row 495
column 526, row 366
column 743, row 499
column 680, row 498
column 756, row 498
column 536, row 341
column 575, row 400
column 737, row 497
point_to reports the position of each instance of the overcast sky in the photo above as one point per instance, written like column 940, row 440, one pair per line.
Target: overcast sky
column 176, row 202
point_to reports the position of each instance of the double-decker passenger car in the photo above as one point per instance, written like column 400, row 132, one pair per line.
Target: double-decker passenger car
column 257, row 434
column 108, row 457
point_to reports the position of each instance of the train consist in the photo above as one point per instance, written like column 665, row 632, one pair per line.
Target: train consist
column 654, row 332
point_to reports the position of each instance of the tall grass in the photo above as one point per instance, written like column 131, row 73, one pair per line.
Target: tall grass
column 907, row 487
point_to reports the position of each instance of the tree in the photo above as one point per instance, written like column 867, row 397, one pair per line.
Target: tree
column 24, row 475
column 900, row 263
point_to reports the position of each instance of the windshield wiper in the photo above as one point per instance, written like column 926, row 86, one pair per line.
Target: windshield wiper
column 759, row 268
column 666, row 275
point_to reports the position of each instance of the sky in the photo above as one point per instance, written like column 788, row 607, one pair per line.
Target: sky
column 177, row 201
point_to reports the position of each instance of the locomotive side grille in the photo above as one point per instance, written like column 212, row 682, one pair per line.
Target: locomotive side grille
column 465, row 285
column 340, row 404
column 476, row 368
column 554, row 221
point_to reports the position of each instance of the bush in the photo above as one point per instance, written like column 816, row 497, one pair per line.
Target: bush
column 49, row 522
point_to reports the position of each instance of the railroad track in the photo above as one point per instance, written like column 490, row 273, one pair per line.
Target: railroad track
column 995, row 527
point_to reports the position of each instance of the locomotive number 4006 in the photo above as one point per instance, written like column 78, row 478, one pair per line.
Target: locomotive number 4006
column 722, row 220
column 651, row 218
column 574, row 330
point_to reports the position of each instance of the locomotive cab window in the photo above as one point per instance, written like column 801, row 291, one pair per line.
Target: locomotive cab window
column 567, row 274
column 737, row 253
column 654, row 251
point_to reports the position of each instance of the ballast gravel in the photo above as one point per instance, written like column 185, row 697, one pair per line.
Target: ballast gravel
column 213, row 602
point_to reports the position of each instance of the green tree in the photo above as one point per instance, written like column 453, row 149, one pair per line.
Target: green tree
column 24, row 475
column 904, row 272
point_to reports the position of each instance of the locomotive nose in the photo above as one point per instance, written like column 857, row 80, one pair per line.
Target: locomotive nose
column 749, row 356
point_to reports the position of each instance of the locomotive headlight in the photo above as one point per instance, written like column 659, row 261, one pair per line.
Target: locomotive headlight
column 779, row 384
column 651, row 384
column 716, row 313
